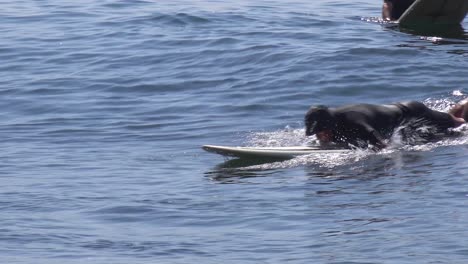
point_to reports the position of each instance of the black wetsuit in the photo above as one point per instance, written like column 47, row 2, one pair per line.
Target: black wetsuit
column 399, row 7
column 361, row 124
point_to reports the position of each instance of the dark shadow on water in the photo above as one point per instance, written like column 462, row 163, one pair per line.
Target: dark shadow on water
column 234, row 170
column 441, row 35
column 454, row 34
column 437, row 34
column 245, row 162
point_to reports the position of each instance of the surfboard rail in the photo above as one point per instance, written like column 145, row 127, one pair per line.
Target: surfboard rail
column 270, row 152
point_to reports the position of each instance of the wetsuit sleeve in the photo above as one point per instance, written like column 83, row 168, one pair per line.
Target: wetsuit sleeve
column 374, row 137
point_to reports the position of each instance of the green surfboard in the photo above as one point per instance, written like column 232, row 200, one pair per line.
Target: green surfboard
column 434, row 12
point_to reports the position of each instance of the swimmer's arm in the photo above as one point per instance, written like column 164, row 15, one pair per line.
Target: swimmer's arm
column 374, row 137
column 387, row 10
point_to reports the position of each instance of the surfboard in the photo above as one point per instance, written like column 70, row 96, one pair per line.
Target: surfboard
column 434, row 12
column 270, row 152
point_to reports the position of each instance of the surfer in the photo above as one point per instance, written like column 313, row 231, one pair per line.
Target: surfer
column 364, row 125
column 393, row 9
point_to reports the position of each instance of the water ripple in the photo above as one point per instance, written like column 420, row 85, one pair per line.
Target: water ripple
column 105, row 106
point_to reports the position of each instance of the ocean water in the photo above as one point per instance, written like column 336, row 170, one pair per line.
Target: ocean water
column 105, row 106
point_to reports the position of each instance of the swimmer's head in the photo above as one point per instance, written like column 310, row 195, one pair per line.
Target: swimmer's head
column 318, row 119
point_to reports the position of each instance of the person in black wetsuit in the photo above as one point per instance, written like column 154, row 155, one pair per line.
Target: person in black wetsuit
column 393, row 9
column 361, row 125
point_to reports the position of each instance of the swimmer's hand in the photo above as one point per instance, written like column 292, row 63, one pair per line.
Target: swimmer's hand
column 379, row 146
column 459, row 121
column 375, row 139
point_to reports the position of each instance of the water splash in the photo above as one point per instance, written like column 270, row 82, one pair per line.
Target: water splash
column 379, row 20
column 282, row 138
column 457, row 93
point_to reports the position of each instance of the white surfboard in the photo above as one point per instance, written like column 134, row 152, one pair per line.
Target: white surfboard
column 269, row 152
column 439, row 12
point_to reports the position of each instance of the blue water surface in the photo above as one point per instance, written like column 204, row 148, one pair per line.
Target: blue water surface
column 105, row 106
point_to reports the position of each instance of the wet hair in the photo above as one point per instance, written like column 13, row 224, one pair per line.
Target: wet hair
column 317, row 119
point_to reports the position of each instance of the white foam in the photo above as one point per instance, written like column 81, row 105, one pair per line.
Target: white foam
column 457, row 93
